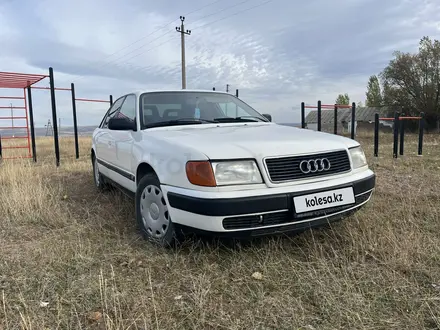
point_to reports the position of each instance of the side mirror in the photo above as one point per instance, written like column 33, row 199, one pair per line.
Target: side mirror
column 121, row 124
column 268, row 117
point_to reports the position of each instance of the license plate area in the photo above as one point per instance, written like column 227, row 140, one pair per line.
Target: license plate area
column 323, row 200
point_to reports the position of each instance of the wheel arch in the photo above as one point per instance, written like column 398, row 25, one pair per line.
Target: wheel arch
column 143, row 169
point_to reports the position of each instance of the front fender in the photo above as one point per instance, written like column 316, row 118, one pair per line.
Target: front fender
column 168, row 160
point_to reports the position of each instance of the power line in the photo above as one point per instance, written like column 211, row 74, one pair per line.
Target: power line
column 233, row 14
column 162, row 27
column 114, row 60
column 221, row 10
column 183, row 16
column 135, row 42
column 236, row 13
column 209, row 23
column 209, row 4
column 144, row 37
column 148, row 50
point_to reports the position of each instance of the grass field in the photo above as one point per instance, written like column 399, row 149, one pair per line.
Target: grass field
column 71, row 258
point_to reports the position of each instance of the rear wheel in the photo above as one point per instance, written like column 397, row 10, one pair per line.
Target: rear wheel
column 152, row 214
column 97, row 176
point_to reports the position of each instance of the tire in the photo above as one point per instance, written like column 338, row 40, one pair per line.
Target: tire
column 152, row 214
column 98, row 179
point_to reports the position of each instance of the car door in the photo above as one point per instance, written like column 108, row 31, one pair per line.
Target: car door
column 103, row 139
column 122, row 141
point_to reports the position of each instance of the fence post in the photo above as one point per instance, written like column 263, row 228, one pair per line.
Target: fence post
column 319, row 116
column 54, row 117
column 75, row 124
column 376, row 134
column 111, row 100
column 31, row 122
column 236, row 93
column 421, row 127
column 0, row 147
column 353, row 119
column 402, row 135
column 303, row 115
column 335, row 118
column 396, row 133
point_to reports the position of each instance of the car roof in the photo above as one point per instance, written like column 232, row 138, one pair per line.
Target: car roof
column 139, row 92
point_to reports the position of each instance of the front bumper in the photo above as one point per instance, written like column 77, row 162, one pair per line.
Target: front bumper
column 264, row 214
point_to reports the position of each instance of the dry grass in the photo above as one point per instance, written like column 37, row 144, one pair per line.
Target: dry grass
column 71, row 258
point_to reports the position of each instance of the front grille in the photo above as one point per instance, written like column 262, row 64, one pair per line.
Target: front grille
column 285, row 217
column 284, row 169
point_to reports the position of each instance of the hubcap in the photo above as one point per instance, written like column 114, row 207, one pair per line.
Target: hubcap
column 154, row 211
column 96, row 172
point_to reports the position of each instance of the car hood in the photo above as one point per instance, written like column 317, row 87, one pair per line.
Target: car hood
column 249, row 140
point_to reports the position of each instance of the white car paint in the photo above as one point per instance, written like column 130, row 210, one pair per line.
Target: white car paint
column 167, row 149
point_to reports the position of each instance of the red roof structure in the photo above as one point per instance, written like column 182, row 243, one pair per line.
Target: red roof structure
column 24, row 114
column 19, row 80
column 21, row 131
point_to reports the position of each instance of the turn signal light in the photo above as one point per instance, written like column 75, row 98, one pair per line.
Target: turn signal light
column 200, row 173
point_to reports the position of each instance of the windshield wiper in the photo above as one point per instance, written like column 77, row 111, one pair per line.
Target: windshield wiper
column 251, row 117
column 179, row 121
column 238, row 119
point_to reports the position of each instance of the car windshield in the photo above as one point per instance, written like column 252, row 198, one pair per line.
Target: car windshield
column 182, row 108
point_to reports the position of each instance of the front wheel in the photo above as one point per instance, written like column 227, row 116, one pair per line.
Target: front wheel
column 152, row 214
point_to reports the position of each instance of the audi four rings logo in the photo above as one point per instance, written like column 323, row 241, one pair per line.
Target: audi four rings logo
column 314, row 165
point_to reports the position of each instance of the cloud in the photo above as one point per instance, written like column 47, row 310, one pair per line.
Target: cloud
column 276, row 53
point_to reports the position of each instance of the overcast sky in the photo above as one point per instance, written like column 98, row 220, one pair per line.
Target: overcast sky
column 276, row 52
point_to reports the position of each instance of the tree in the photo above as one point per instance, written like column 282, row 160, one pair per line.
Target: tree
column 374, row 95
column 343, row 99
column 392, row 99
column 413, row 81
column 359, row 104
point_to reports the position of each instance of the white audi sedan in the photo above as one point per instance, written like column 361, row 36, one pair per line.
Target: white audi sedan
column 206, row 161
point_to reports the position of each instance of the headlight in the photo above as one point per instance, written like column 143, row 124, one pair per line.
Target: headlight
column 236, row 172
column 358, row 157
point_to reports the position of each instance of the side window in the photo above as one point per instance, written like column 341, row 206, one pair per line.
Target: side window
column 101, row 125
column 128, row 108
column 113, row 110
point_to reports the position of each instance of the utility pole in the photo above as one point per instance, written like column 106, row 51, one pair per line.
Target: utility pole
column 182, row 32
column 227, row 88
column 49, row 129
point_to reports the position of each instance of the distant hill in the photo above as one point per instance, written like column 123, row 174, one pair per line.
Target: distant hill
column 41, row 131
